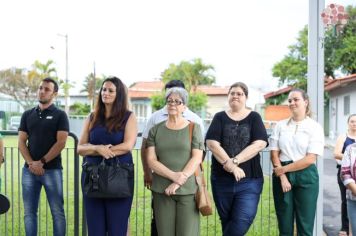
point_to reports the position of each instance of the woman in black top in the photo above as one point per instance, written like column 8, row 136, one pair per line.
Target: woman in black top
column 235, row 137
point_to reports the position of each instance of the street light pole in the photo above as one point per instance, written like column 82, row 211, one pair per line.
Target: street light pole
column 66, row 93
column 66, row 85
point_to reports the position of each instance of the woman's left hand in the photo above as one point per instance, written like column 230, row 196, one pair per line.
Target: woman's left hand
column 171, row 189
column 280, row 170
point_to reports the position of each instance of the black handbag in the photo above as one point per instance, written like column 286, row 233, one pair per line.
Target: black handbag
column 108, row 180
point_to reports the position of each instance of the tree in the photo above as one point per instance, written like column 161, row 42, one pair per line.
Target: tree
column 292, row 69
column 80, row 109
column 345, row 56
column 191, row 73
column 22, row 85
column 88, row 85
column 44, row 70
column 339, row 54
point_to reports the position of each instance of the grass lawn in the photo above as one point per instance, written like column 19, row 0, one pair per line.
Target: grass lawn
column 12, row 222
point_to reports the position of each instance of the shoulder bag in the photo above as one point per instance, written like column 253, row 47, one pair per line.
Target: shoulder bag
column 202, row 196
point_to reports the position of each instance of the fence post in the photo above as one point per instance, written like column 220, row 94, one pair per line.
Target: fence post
column 76, row 185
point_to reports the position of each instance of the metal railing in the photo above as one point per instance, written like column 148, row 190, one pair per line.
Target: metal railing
column 12, row 223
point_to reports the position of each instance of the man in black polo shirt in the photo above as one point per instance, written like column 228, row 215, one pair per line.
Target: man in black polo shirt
column 43, row 133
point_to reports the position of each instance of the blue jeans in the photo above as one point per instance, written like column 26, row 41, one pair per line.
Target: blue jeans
column 52, row 181
column 236, row 202
column 351, row 211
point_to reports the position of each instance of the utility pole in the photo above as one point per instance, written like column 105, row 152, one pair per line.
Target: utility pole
column 66, row 85
column 316, row 89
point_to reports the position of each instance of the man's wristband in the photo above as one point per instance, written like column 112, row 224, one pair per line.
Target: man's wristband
column 43, row 160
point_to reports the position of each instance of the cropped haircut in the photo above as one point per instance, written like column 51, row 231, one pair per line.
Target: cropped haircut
column 174, row 83
column 181, row 92
column 50, row 80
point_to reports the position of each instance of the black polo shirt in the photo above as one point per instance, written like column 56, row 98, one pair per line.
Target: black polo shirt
column 41, row 128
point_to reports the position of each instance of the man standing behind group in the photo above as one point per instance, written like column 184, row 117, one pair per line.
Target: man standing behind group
column 157, row 117
column 43, row 133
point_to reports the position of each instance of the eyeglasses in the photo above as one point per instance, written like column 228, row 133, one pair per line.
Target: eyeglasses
column 236, row 94
column 174, row 102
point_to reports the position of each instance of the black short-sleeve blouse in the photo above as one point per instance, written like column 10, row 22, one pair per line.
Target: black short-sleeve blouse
column 234, row 136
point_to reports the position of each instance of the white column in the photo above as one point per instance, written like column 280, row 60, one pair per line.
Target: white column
column 316, row 89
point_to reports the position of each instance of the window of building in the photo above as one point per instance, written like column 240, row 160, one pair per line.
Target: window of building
column 346, row 105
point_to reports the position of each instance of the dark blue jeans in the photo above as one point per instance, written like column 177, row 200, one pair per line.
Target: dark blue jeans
column 236, row 202
column 32, row 184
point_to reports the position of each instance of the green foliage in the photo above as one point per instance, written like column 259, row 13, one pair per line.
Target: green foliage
column 339, row 54
column 192, row 73
column 292, row 69
column 22, row 85
column 197, row 101
column 79, row 109
column 158, row 101
column 345, row 56
column 88, row 85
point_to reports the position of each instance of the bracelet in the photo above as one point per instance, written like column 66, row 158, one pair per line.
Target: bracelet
column 43, row 160
column 224, row 162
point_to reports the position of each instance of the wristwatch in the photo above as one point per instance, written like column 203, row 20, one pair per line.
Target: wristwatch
column 235, row 161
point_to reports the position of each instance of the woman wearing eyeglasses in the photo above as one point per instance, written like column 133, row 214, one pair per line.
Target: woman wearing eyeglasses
column 235, row 137
column 295, row 145
column 173, row 157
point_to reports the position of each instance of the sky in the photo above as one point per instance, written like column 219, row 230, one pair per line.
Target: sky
column 136, row 40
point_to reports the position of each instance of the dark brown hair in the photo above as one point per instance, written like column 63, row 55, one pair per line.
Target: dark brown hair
column 118, row 111
column 241, row 85
column 50, row 80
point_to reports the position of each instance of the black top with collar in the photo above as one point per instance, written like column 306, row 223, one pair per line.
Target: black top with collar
column 41, row 127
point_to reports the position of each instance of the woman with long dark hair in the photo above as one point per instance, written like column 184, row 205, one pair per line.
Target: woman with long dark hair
column 109, row 132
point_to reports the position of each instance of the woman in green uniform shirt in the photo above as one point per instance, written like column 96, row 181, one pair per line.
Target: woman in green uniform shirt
column 174, row 158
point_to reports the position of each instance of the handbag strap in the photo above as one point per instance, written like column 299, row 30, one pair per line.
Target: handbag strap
column 200, row 167
column 95, row 178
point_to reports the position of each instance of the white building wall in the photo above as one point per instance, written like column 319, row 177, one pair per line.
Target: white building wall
column 338, row 118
